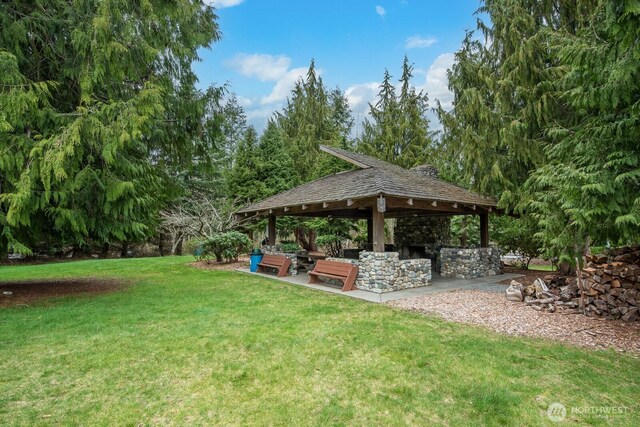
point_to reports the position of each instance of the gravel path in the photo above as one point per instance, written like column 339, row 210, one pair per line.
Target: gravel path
column 492, row 310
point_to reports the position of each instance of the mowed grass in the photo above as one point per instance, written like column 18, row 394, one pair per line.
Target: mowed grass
column 182, row 346
column 542, row 267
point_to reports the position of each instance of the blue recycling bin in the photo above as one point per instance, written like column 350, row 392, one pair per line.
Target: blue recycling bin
column 254, row 260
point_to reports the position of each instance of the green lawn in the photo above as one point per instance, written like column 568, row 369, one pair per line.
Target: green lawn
column 186, row 346
column 541, row 267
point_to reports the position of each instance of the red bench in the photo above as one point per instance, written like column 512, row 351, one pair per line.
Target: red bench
column 279, row 262
column 335, row 270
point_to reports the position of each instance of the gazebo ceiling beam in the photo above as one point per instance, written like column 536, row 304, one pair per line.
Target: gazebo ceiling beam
column 432, row 205
column 356, row 214
column 323, row 208
column 394, row 206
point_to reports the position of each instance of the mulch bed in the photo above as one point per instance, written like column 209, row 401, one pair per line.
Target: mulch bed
column 25, row 293
column 225, row 266
column 493, row 311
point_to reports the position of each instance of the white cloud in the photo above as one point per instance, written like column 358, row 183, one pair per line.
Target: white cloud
column 417, row 42
column 221, row 4
column 436, row 83
column 262, row 66
column 244, row 102
column 258, row 116
column 284, row 85
column 380, row 11
column 360, row 95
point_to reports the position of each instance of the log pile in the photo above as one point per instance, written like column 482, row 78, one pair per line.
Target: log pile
column 611, row 284
column 551, row 293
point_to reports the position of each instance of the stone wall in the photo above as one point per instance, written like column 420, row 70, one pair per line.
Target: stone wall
column 470, row 263
column 273, row 250
column 385, row 272
column 430, row 232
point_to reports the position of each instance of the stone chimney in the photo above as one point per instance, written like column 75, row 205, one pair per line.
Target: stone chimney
column 426, row 170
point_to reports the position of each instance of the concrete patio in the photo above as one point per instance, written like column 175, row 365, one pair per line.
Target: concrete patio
column 439, row 284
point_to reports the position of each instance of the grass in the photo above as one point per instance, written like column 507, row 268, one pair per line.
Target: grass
column 187, row 346
column 541, row 267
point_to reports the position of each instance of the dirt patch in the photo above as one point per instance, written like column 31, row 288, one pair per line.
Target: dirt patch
column 492, row 310
column 227, row 266
column 31, row 291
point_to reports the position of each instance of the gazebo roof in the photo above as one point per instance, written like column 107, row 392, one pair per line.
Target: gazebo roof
column 374, row 178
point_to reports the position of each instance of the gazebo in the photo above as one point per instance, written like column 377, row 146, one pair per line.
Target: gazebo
column 375, row 190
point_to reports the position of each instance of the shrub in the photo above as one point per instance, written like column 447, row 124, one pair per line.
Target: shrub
column 226, row 246
column 330, row 243
column 517, row 235
column 289, row 247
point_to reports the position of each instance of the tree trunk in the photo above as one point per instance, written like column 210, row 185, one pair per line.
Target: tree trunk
column 76, row 251
column 104, row 251
column 179, row 246
column 566, row 269
column 124, row 252
column 463, row 233
column 161, row 244
column 306, row 238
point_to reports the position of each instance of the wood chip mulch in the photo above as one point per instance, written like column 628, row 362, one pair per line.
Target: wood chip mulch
column 492, row 310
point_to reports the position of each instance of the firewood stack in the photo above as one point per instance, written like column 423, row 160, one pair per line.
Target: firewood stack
column 550, row 293
column 611, row 284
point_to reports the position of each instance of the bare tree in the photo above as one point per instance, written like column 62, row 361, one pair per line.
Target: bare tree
column 198, row 215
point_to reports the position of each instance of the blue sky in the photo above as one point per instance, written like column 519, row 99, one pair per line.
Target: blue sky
column 267, row 44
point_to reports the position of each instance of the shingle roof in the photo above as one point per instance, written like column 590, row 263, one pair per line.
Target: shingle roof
column 373, row 178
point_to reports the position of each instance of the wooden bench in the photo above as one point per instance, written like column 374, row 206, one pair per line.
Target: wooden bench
column 279, row 262
column 343, row 271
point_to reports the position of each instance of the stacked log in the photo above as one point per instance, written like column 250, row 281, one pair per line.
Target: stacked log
column 611, row 284
column 550, row 293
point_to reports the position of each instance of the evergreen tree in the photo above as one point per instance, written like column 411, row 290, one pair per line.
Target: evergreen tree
column 98, row 112
column 233, row 128
column 504, row 94
column 398, row 130
column 243, row 179
column 510, row 109
column 276, row 166
column 313, row 116
column 589, row 188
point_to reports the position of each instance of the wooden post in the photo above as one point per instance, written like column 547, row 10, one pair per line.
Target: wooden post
column 378, row 230
column 271, row 233
column 484, row 230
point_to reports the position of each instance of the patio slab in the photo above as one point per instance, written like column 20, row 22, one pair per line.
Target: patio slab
column 439, row 284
